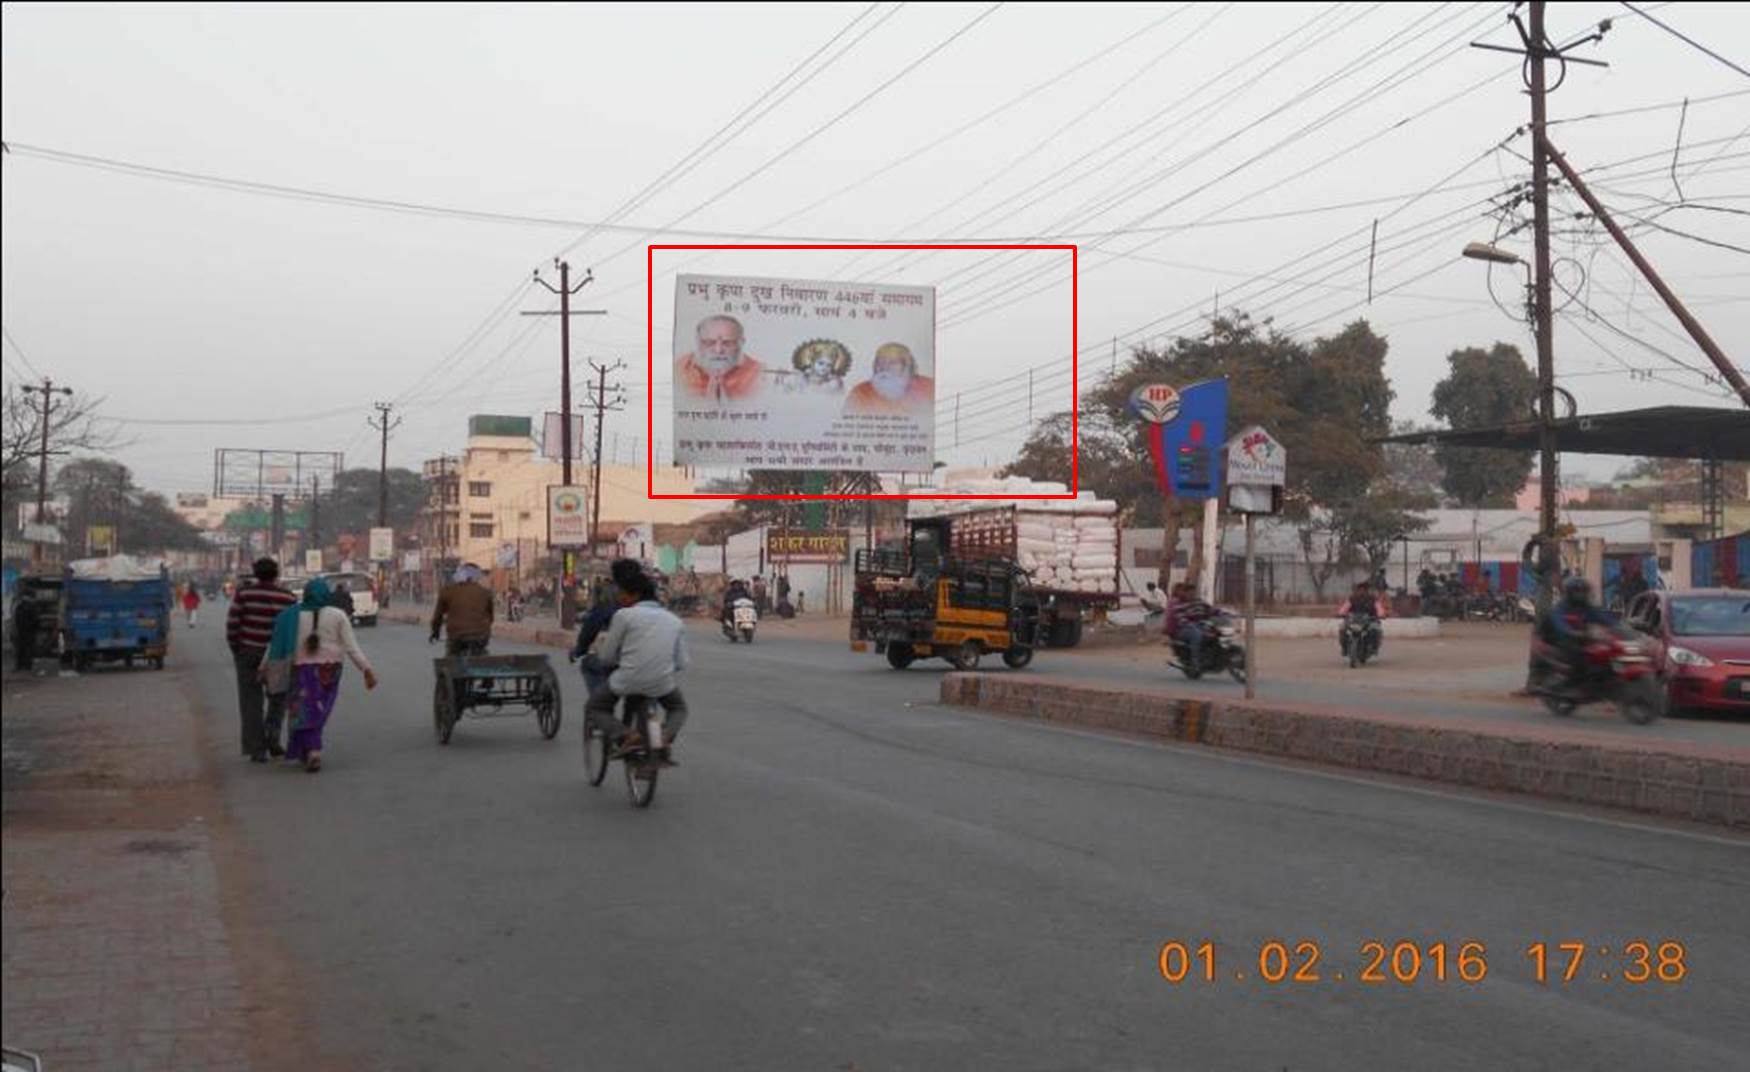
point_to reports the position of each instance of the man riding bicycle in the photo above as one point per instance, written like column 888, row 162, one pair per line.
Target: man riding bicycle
column 646, row 646
column 466, row 606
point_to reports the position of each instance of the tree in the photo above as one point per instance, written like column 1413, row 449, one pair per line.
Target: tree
column 1325, row 401
column 101, row 492
column 1484, row 389
column 73, row 427
column 351, row 504
column 1376, row 522
column 1412, row 466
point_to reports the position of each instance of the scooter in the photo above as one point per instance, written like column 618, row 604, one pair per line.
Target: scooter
column 740, row 622
column 1614, row 668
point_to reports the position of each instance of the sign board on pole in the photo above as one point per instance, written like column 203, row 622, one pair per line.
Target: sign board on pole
column 410, row 561
column 567, row 516
column 382, row 545
column 506, row 557
column 804, row 374
column 1184, row 429
column 553, row 437
column 312, row 562
column 100, row 540
column 1257, row 470
column 833, row 546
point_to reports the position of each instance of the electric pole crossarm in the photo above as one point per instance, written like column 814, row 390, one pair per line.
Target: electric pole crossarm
column 1678, row 309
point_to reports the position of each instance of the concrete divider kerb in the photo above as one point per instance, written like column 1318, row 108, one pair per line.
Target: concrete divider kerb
column 1669, row 779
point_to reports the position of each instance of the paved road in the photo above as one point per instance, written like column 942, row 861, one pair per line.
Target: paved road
column 842, row 873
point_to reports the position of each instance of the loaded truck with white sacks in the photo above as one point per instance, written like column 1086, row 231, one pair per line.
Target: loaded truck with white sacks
column 1069, row 548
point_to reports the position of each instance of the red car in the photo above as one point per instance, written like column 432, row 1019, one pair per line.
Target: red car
column 1700, row 643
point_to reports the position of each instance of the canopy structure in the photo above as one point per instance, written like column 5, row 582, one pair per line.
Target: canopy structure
column 1705, row 432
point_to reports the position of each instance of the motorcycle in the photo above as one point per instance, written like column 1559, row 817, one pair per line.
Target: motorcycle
column 1221, row 650
column 1614, row 668
column 741, row 620
column 1360, row 638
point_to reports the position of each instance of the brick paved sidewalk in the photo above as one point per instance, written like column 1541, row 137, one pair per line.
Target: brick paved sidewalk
column 115, row 948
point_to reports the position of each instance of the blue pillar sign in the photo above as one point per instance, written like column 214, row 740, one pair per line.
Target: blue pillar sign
column 1185, row 430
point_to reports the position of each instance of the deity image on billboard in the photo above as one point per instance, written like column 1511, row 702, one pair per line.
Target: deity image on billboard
column 803, row 374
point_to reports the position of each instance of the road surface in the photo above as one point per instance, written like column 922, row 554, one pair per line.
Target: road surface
column 843, row 874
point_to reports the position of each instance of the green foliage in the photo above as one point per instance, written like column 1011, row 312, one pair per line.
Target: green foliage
column 1484, row 389
column 102, row 492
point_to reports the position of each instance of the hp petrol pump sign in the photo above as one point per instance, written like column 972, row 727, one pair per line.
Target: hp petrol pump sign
column 1156, row 403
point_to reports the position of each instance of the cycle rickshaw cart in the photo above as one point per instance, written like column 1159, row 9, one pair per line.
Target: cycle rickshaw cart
column 489, row 686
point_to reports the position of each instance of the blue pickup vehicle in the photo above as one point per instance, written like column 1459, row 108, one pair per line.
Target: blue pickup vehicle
column 115, row 609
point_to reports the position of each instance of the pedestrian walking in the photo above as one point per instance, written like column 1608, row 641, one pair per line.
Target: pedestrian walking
column 248, row 631
column 316, row 637
column 191, row 603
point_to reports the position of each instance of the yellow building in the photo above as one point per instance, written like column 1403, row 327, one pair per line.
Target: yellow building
column 490, row 503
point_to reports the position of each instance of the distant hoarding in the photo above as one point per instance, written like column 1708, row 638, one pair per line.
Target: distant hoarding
column 261, row 474
column 804, row 374
column 553, row 438
column 312, row 562
column 382, row 545
column 567, row 516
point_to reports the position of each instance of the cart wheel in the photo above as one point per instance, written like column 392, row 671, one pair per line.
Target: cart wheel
column 965, row 657
column 1017, row 658
column 443, row 711
column 548, row 710
column 899, row 656
column 595, row 753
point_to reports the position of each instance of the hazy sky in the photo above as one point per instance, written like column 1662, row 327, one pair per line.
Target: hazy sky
column 1154, row 136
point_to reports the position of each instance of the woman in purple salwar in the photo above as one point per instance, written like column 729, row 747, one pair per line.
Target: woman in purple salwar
column 313, row 640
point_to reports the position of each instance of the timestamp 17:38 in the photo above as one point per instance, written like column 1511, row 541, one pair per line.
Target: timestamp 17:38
column 1407, row 962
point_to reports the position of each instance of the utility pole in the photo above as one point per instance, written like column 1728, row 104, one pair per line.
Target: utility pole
column 383, row 424
column 314, row 542
column 1546, row 365
column 1537, row 49
column 48, row 390
column 568, row 580
column 1672, row 302
column 606, row 400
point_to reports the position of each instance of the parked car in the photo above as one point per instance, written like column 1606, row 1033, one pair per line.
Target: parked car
column 363, row 589
column 1700, row 644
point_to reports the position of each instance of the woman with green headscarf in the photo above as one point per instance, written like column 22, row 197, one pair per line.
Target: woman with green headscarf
column 314, row 639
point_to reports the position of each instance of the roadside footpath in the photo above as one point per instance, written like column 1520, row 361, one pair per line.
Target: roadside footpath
column 117, row 949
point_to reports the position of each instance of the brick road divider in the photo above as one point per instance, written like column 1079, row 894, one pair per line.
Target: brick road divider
column 1666, row 778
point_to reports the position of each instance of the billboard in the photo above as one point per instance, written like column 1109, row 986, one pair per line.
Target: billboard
column 553, row 437
column 567, row 516
column 259, row 474
column 804, row 374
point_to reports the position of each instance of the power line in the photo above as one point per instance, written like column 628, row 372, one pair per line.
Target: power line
column 28, row 363
column 1686, row 39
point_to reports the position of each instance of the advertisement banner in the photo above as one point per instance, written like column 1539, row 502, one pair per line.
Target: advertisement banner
column 567, row 516
column 828, row 547
column 410, row 561
column 312, row 562
column 100, row 540
column 553, row 437
column 1184, row 434
column 804, row 374
column 382, row 545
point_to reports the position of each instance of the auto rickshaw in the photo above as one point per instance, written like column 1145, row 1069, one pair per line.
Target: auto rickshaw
column 920, row 604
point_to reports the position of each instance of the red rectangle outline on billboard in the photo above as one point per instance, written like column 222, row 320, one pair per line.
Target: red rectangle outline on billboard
column 650, row 369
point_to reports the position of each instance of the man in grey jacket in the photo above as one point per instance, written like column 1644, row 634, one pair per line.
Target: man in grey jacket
column 647, row 648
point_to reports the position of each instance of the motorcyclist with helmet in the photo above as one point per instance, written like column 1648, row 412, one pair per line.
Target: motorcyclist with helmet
column 1188, row 621
column 1566, row 625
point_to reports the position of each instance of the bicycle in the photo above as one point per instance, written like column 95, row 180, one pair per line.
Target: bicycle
column 641, row 764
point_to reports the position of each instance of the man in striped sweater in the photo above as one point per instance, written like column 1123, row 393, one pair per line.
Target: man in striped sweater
column 249, row 630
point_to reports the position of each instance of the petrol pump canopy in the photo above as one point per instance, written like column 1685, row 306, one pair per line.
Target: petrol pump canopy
column 1658, row 432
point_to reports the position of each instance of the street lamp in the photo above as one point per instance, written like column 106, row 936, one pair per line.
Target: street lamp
column 1484, row 251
